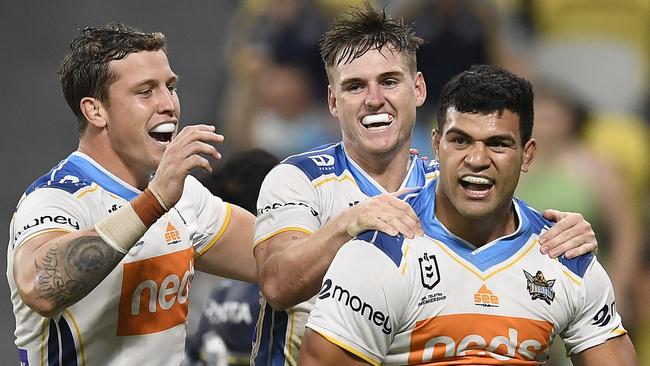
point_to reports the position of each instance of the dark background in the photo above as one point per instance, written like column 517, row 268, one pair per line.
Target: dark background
column 39, row 130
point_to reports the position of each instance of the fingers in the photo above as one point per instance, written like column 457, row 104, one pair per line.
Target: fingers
column 571, row 236
column 190, row 149
column 193, row 140
column 384, row 213
column 553, row 215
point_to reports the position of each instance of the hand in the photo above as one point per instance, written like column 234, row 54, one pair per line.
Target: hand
column 181, row 156
column 572, row 235
column 385, row 213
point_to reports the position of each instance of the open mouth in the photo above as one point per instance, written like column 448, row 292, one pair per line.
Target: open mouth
column 377, row 121
column 163, row 132
column 476, row 184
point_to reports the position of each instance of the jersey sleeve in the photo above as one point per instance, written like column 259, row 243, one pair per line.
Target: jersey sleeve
column 287, row 201
column 596, row 319
column 45, row 210
column 360, row 302
column 212, row 215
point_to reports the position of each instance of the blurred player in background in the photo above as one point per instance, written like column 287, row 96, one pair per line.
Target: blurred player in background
column 225, row 331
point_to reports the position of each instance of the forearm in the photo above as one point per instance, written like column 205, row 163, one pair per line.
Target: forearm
column 294, row 273
column 66, row 269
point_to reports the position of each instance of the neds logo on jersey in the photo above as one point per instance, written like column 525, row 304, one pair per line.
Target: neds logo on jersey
column 355, row 304
column 479, row 339
column 155, row 293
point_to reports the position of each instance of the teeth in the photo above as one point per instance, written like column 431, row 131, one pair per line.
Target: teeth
column 164, row 128
column 476, row 180
column 376, row 118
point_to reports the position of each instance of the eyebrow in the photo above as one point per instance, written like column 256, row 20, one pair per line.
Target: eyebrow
column 172, row 79
column 384, row 75
column 501, row 137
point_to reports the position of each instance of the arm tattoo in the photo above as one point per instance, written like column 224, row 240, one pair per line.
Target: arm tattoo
column 69, row 271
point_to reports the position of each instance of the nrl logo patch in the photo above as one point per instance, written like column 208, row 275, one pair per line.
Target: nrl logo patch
column 429, row 272
column 540, row 288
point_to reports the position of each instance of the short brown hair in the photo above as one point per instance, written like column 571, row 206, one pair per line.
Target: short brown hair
column 84, row 71
column 364, row 29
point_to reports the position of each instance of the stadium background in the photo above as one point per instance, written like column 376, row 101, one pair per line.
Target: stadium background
column 39, row 129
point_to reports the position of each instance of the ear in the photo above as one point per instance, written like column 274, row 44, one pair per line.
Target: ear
column 530, row 149
column 92, row 109
column 420, row 89
column 436, row 137
column 331, row 102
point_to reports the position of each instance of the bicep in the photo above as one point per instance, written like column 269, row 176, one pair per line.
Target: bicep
column 275, row 244
column 615, row 351
column 28, row 254
column 231, row 256
column 317, row 350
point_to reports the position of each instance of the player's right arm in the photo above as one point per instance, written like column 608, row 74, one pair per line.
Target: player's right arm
column 596, row 336
column 55, row 269
column 291, row 263
column 616, row 351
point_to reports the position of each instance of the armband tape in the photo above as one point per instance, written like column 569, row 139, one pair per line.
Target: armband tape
column 122, row 228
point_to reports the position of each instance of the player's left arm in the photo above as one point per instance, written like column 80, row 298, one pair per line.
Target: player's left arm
column 572, row 235
column 616, row 351
column 232, row 255
column 317, row 350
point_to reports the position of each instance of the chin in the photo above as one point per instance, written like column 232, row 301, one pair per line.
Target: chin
column 475, row 211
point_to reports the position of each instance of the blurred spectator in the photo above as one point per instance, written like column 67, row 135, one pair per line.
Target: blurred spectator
column 277, row 96
column 597, row 49
column 225, row 330
column 288, row 119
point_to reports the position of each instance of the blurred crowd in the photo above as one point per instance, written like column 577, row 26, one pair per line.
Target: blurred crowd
column 589, row 62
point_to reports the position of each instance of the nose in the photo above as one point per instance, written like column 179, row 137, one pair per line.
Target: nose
column 167, row 101
column 374, row 96
column 478, row 157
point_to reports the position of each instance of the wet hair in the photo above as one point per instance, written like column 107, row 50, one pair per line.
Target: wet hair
column 486, row 89
column 363, row 29
column 239, row 180
column 85, row 72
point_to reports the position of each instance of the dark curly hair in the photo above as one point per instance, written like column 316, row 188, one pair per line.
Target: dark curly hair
column 364, row 29
column 85, row 72
column 486, row 89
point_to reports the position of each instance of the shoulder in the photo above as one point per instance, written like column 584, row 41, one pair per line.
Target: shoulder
column 578, row 265
column 327, row 159
column 65, row 176
column 532, row 216
column 387, row 245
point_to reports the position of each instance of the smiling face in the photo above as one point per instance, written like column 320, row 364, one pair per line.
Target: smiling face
column 375, row 97
column 141, row 111
column 481, row 157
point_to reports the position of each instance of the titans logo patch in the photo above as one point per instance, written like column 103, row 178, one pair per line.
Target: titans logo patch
column 540, row 288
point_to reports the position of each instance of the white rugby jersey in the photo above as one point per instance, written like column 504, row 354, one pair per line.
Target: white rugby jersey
column 303, row 193
column 137, row 315
column 437, row 300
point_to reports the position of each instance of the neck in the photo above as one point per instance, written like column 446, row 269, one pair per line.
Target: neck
column 477, row 230
column 111, row 161
column 389, row 171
